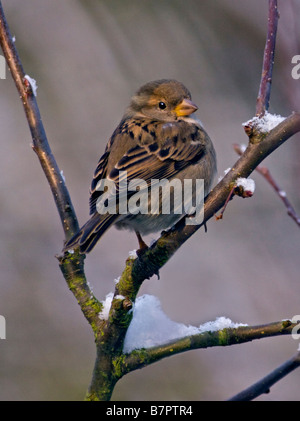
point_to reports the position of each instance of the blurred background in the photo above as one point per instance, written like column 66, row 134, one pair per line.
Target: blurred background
column 88, row 58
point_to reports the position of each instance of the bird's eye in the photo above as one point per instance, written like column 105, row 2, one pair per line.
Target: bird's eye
column 162, row 105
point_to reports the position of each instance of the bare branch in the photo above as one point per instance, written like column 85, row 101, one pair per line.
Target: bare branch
column 263, row 99
column 263, row 385
column 39, row 138
column 265, row 172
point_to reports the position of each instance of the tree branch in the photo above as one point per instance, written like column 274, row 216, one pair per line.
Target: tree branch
column 40, row 142
column 263, row 385
column 225, row 337
column 265, row 172
column 263, row 99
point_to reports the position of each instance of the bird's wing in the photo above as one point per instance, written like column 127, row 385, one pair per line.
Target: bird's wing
column 156, row 154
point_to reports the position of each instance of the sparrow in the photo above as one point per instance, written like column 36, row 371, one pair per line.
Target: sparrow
column 156, row 139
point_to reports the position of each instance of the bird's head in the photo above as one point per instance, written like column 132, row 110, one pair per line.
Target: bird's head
column 163, row 100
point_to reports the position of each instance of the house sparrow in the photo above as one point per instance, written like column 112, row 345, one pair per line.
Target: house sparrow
column 156, row 139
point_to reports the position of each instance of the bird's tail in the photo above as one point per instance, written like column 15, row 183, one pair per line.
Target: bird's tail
column 90, row 233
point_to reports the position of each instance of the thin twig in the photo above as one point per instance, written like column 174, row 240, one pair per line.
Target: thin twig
column 263, row 385
column 265, row 172
column 263, row 99
column 220, row 216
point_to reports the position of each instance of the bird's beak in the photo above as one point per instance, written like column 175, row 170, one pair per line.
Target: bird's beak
column 186, row 107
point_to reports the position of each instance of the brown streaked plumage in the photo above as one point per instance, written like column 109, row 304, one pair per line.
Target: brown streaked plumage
column 156, row 139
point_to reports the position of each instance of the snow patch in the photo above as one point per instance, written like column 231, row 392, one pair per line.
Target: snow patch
column 150, row 326
column 32, row 83
column 265, row 123
column 247, row 184
column 106, row 306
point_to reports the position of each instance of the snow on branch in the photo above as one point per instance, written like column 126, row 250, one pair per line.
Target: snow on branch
column 265, row 123
column 150, row 326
